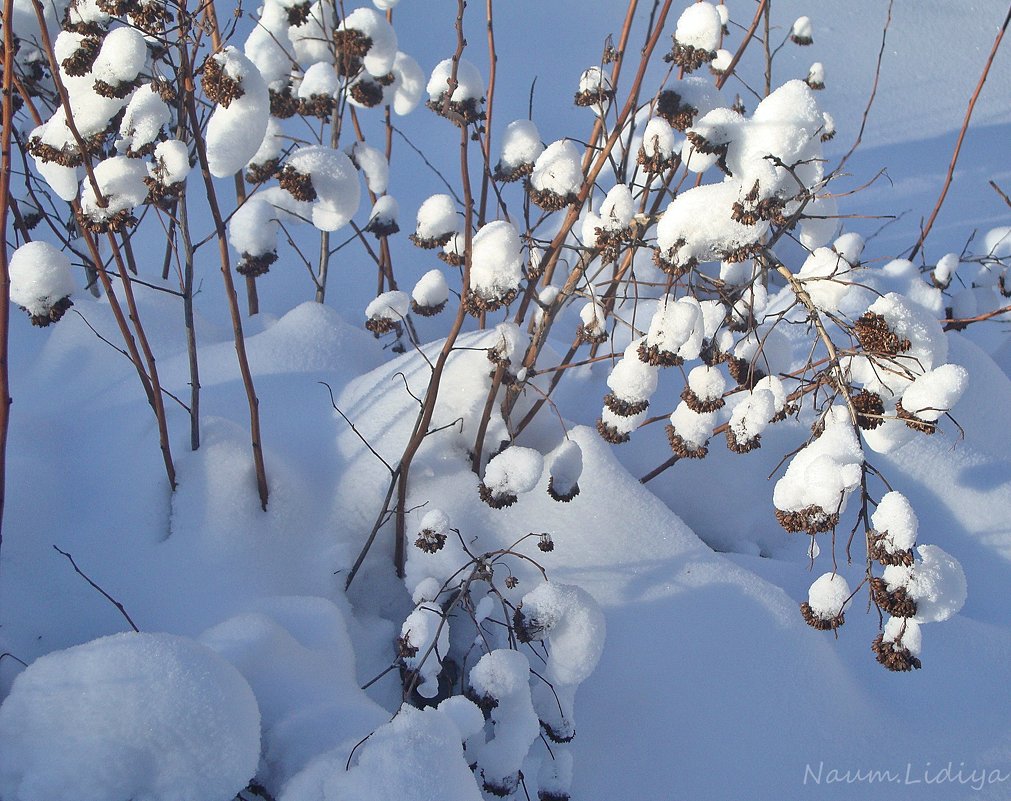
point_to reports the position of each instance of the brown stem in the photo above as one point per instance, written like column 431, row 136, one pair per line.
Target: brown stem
column 961, row 135
column 5, row 281
column 226, row 274
column 191, row 332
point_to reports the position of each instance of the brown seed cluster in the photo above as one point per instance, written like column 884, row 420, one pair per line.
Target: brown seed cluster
column 115, row 223
column 875, row 336
column 318, row 106
column 611, row 434
column 83, row 58
column 751, row 210
column 352, row 46
column 680, row 446
column 897, row 603
column 894, row 657
column 114, row 90
column 496, row 501
column 697, row 404
column 624, row 408
column 218, row 86
column 549, row 200
column 260, row 173
column 431, row 242
column 657, row 163
column 594, row 97
column 595, row 336
column 810, row 519
column 452, row 259
column 545, row 544
column 430, row 541
column 367, row 91
column 870, row 409
column 457, row 111
column 670, row 264
column 556, row 735
column 380, row 227
column 296, row 184
column 52, row 315
column 381, row 325
column 427, row 311
column 745, row 373
column 689, row 58
column 298, row 14
column 477, row 303
column 255, row 266
column 405, row 650
column 656, row 356
column 679, row 115
column 508, row 175
column 821, row 623
column 739, row 445
column 914, row 422
column 561, row 497
column 876, row 550
column 283, row 104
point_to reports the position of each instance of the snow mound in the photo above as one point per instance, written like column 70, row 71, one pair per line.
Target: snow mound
column 152, row 717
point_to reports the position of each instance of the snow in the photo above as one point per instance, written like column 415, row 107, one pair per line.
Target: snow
column 389, row 306
column 121, row 182
column 825, row 472
column 677, row 327
column 906, row 632
column 937, row 585
column 827, row 595
column 617, row 209
column 437, row 216
column 428, row 631
column 235, row 132
column 632, row 380
column 146, row 716
column 470, row 85
column 895, row 518
column 802, row 30
column 752, row 414
column 382, row 52
column 521, row 145
column 496, row 260
column 373, row 164
column 503, row 675
column 408, row 85
column 826, row 275
column 335, row 180
column 431, row 289
column 699, row 26
column 171, row 162
column 658, row 139
column 565, row 465
column 143, row 119
column 121, row 58
column 694, row 427
column 320, row 79
column 40, row 276
column 514, row 471
column 935, row 392
column 558, row 169
column 253, row 227
column 416, row 756
column 572, row 623
column 269, row 44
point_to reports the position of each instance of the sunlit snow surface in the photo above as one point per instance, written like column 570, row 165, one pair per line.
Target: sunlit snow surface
column 709, row 684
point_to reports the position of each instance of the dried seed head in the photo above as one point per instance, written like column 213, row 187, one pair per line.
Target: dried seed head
column 260, row 173
column 611, row 434
column 511, row 582
column 696, row 404
column 255, row 266
column 283, row 104
column 668, row 262
column 689, row 58
column 914, row 422
column 894, row 657
column 477, row 303
column 405, row 650
column 821, row 623
column 876, row 550
column 875, row 336
column 679, row 115
column 52, row 315
column 352, row 46
column 298, row 14
column 545, row 543
column 430, row 541
column 870, row 409
column 624, row 408
column 562, row 497
column 596, row 335
column 810, row 519
column 683, row 448
column 745, row 373
column 896, row 603
column 367, row 91
column 298, row 185
column 549, row 200
column 496, row 501
column 81, row 60
column 318, row 106
column 218, row 85
column 739, row 445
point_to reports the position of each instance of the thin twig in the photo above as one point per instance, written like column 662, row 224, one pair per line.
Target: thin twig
column 109, row 598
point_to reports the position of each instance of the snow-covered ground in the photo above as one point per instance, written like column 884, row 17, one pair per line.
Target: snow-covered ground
column 709, row 683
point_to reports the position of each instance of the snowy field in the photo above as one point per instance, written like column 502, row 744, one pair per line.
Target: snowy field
column 673, row 645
